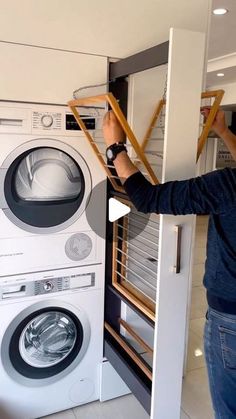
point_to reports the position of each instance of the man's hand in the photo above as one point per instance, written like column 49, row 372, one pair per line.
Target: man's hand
column 112, row 130
column 219, row 124
column 220, row 128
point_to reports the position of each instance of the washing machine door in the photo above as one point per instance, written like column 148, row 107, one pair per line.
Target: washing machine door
column 47, row 185
column 45, row 344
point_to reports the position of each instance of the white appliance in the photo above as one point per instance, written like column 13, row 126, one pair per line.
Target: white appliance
column 48, row 175
column 51, row 340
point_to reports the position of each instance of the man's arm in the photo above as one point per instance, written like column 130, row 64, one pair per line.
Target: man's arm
column 211, row 193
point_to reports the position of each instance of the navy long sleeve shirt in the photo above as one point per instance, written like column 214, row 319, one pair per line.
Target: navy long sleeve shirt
column 213, row 194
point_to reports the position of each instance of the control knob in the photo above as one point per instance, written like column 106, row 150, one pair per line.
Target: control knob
column 47, row 120
column 48, row 286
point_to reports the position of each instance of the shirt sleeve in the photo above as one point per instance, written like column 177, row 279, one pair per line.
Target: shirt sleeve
column 213, row 193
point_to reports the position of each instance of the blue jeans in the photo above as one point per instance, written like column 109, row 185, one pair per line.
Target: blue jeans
column 220, row 353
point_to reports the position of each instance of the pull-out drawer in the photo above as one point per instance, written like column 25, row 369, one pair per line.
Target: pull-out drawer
column 135, row 259
column 129, row 348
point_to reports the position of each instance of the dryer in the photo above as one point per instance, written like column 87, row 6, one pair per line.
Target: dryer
column 48, row 172
column 51, row 340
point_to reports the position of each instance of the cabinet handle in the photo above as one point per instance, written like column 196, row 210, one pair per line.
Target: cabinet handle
column 178, row 232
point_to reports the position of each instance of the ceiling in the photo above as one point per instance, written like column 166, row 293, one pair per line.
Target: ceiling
column 105, row 27
column 223, row 30
column 222, row 45
column 119, row 29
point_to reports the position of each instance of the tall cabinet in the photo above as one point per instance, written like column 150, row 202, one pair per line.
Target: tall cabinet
column 149, row 257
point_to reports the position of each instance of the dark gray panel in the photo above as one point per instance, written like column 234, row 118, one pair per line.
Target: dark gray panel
column 133, row 378
column 149, row 58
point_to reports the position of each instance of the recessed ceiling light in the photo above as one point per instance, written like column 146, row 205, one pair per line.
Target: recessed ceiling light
column 221, row 11
column 220, row 74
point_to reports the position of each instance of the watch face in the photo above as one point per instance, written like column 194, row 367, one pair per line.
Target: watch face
column 109, row 154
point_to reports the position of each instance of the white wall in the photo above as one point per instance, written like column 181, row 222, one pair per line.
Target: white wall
column 44, row 75
column 229, row 97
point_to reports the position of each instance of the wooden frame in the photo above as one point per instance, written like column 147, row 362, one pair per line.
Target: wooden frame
column 136, row 297
column 217, row 94
column 110, row 99
column 129, row 351
column 138, row 339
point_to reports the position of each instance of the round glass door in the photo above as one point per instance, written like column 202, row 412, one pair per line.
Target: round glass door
column 46, row 342
column 46, row 175
column 47, row 339
column 46, row 187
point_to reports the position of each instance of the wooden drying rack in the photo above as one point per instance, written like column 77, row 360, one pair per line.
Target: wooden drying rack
column 217, row 94
column 139, row 149
column 136, row 297
column 110, row 99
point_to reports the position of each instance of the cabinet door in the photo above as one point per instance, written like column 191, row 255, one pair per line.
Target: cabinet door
column 158, row 383
column 45, row 75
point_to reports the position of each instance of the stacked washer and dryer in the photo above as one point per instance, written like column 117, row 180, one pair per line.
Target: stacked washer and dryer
column 51, row 260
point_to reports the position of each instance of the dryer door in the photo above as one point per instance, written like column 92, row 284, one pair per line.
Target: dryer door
column 47, row 186
column 45, row 343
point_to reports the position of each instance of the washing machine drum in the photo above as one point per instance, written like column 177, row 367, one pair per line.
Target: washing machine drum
column 45, row 343
column 46, row 187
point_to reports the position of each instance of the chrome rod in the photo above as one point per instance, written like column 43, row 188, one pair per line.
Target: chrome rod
column 144, row 238
column 142, row 223
column 143, row 244
column 149, row 260
column 141, row 250
column 135, row 261
column 137, row 275
column 109, row 166
column 135, row 286
column 133, row 227
column 140, row 215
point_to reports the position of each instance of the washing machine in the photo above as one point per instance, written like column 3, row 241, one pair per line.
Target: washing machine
column 49, row 178
column 51, row 341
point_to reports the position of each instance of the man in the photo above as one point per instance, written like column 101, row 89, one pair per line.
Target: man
column 213, row 194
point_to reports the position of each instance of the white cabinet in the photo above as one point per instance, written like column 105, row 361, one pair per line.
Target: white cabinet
column 32, row 74
column 163, row 383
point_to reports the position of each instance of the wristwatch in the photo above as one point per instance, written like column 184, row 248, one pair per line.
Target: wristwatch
column 113, row 150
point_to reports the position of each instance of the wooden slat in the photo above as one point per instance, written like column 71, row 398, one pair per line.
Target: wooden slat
column 138, row 339
column 128, row 350
column 109, row 98
column 154, row 118
column 218, row 94
column 136, row 297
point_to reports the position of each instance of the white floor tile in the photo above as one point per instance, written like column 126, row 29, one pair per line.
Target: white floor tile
column 126, row 407
column 198, row 272
column 195, row 358
column 197, row 326
column 199, row 303
column 183, row 415
column 196, row 401
column 199, row 255
column 65, row 414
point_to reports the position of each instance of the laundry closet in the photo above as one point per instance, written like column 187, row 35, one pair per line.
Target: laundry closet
column 93, row 309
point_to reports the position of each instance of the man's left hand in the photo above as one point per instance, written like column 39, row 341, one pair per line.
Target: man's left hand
column 112, row 130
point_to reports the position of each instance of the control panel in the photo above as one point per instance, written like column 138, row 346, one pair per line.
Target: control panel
column 47, row 120
column 47, row 286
